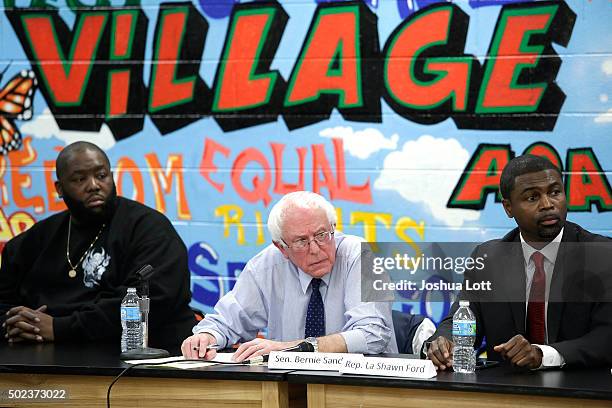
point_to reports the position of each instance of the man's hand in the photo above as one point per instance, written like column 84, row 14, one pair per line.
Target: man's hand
column 441, row 353
column 260, row 347
column 520, row 352
column 45, row 325
column 194, row 347
column 23, row 323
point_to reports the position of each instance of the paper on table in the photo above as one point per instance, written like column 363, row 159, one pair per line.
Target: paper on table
column 220, row 358
column 184, row 365
column 155, row 360
column 224, row 358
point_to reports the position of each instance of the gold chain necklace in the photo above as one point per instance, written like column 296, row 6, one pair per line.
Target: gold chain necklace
column 72, row 272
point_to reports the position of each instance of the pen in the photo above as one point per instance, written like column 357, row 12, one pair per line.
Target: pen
column 209, row 347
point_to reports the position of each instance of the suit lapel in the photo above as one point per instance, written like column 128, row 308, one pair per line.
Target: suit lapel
column 513, row 266
column 555, row 307
column 563, row 279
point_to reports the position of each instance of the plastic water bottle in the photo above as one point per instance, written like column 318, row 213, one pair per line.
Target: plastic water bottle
column 131, row 335
column 464, row 336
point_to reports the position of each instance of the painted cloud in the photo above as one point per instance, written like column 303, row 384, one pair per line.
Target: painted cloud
column 44, row 126
column 425, row 172
column 361, row 143
column 605, row 117
column 606, row 66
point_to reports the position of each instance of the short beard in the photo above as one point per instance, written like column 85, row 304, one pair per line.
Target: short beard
column 549, row 233
column 85, row 216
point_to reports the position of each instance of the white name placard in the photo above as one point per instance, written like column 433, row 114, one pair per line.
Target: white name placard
column 388, row 367
column 308, row 361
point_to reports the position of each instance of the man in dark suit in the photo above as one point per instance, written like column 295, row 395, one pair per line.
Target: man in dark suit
column 549, row 307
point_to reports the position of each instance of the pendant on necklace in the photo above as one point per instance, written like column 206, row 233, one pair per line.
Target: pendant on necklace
column 72, row 273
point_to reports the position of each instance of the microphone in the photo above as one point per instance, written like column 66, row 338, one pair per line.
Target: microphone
column 144, row 274
column 303, row 347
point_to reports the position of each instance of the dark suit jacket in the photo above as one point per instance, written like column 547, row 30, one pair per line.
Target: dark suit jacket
column 579, row 322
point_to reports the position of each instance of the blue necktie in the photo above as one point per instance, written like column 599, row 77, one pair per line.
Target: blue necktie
column 315, row 316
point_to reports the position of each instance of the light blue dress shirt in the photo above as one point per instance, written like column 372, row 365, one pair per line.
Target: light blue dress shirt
column 272, row 292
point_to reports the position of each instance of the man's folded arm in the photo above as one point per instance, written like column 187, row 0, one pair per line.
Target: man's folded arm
column 98, row 320
column 369, row 328
column 239, row 315
column 550, row 356
column 10, row 279
column 594, row 347
column 444, row 329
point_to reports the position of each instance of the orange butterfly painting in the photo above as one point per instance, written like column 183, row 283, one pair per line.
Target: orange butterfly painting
column 15, row 103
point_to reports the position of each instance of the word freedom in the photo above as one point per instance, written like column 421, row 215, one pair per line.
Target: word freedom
column 433, row 263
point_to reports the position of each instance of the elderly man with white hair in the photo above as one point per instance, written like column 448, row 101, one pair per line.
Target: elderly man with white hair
column 305, row 286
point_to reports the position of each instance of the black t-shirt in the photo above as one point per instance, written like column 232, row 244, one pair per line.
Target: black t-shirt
column 85, row 307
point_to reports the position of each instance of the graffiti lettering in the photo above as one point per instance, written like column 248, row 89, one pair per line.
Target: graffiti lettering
column 20, row 181
column 585, row 181
column 422, row 72
column 481, row 177
column 208, row 285
column 162, row 183
column 259, row 187
column 13, row 225
column 233, row 217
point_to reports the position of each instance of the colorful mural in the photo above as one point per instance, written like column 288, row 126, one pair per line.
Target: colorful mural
column 402, row 112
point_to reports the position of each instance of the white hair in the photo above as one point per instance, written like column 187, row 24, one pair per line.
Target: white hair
column 297, row 199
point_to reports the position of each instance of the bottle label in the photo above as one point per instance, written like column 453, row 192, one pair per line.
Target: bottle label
column 130, row 313
column 467, row 328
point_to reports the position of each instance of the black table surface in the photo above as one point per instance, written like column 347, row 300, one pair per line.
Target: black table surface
column 103, row 359
column 591, row 383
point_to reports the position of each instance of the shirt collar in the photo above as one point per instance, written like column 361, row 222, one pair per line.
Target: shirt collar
column 549, row 251
column 305, row 279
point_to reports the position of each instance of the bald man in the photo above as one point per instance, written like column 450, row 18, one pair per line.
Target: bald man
column 64, row 279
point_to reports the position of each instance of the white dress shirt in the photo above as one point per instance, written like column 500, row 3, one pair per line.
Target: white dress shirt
column 272, row 292
column 550, row 356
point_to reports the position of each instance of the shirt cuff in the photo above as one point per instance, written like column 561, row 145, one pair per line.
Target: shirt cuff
column 355, row 341
column 425, row 330
column 550, row 357
column 62, row 328
column 219, row 339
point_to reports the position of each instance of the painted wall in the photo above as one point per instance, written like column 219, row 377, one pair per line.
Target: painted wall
column 403, row 113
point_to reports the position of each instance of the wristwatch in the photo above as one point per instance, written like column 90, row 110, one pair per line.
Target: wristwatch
column 313, row 342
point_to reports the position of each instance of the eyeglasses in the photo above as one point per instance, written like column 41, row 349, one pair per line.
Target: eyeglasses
column 320, row 239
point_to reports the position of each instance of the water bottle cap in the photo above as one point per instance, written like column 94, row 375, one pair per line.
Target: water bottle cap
column 463, row 303
column 131, row 290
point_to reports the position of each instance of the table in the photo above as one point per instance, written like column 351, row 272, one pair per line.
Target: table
column 501, row 386
column 86, row 370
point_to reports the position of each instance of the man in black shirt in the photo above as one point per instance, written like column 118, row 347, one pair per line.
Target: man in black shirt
column 64, row 279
